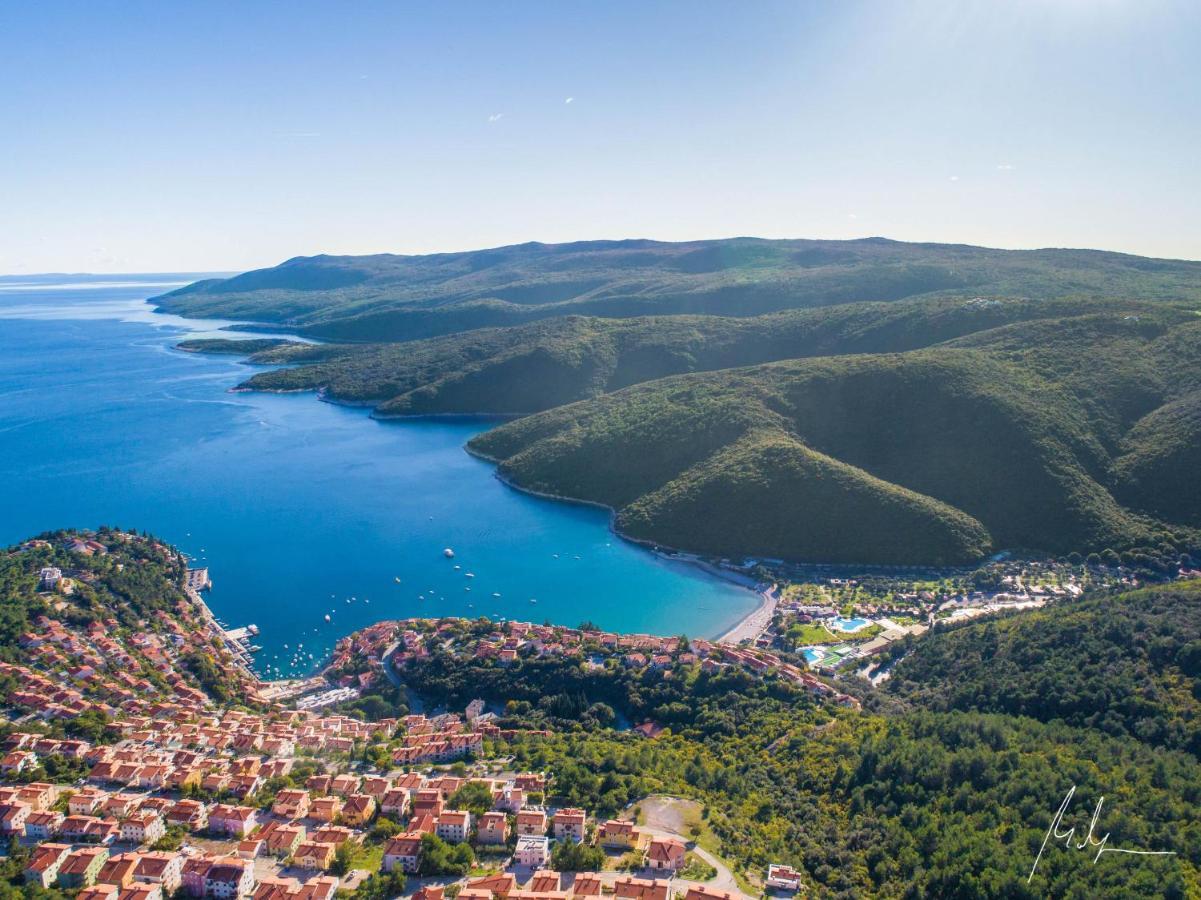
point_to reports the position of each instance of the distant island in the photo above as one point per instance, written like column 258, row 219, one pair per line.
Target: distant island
column 839, row 401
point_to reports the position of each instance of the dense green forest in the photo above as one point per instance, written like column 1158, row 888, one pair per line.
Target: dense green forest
column 1128, row 666
column 898, row 800
column 389, row 297
column 239, row 346
column 1011, row 437
column 1045, row 401
column 533, row 367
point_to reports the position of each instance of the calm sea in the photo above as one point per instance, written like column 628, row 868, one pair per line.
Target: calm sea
column 301, row 509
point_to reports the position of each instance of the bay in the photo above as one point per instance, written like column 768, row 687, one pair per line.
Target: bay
column 302, row 509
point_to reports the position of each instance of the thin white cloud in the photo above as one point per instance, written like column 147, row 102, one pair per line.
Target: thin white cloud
column 954, row 178
column 1005, row 167
column 496, row 117
column 569, row 99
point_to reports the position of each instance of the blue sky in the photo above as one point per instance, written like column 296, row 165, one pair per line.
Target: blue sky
column 212, row 136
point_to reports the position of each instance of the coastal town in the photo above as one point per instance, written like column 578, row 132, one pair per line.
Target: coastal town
column 142, row 757
column 128, row 772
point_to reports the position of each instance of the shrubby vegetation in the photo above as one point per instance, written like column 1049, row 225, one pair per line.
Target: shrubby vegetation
column 908, row 404
column 897, row 801
column 932, row 456
column 387, row 297
column 1126, row 665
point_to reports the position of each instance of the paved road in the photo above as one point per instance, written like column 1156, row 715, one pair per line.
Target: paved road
column 666, row 817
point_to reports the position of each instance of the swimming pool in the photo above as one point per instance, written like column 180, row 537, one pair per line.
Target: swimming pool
column 848, row 625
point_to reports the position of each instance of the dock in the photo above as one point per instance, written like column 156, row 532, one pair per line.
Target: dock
column 199, row 580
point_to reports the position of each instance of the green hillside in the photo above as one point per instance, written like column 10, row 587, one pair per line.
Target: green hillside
column 982, row 427
column 533, row 367
column 1128, row 665
column 389, row 297
column 897, row 800
column 861, row 401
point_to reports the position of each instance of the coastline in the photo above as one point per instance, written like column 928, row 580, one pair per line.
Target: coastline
column 748, row 624
column 743, row 626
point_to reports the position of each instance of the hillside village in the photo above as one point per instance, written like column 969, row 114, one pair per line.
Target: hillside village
column 127, row 773
column 366, row 655
column 141, row 757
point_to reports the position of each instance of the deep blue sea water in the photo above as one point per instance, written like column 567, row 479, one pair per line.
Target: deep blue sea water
column 297, row 506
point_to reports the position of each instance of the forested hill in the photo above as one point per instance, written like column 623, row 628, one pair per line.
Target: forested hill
column 1127, row 665
column 96, row 621
column 389, row 297
column 897, row 800
column 858, row 401
column 1059, row 435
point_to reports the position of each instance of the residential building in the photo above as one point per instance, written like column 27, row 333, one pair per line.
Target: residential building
column 42, row 826
column 454, row 826
column 630, row 888
column 531, row 821
column 291, row 804
column 228, row 878
column 586, row 884
column 618, row 834
column 235, row 821
column 569, row 824
column 12, row 818
column 665, row 854
column 492, row 828
column 358, row 809
column 403, row 852
column 544, row 881
column 80, row 868
column 143, row 827
column 707, row 893
column 313, row 855
column 118, row 870
column 533, row 850
column 783, row 878
column 325, row 809
column 44, row 862
column 162, row 868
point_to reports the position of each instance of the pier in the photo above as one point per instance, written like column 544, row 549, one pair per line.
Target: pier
column 199, row 580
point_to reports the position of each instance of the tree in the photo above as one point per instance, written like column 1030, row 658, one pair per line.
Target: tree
column 441, row 858
column 343, row 859
column 568, row 856
column 474, row 796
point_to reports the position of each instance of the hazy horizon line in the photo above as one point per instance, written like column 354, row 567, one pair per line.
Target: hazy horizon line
column 227, row 272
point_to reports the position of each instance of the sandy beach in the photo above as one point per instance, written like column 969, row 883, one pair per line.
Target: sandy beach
column 749, row 628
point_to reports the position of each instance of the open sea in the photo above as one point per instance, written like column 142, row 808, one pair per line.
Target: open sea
column 301, row 509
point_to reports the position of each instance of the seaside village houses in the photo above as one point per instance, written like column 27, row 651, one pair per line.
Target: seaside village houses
column 184, row 798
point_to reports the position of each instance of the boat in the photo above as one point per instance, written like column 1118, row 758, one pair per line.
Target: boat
column 469, row 575
column 397, row 579
column 327, row 617
column 448, row 553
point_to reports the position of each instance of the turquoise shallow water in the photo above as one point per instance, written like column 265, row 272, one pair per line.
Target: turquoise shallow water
column 296, row 505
